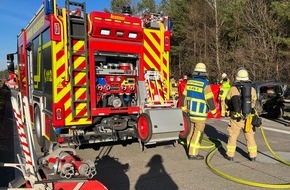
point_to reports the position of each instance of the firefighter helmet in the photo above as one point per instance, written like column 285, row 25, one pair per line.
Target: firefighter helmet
column 224, row 75
column 242, row 75
column 200, row 67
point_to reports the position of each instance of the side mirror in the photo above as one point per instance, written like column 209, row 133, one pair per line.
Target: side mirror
column 10, row 57
column 10, row 62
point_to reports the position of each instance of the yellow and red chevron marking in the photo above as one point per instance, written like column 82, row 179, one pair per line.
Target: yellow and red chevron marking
column 154, row 55
column 62, row 94
column 23, row 138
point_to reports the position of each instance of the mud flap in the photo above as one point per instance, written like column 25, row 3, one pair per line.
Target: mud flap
column 187, row 124
column 167, row 123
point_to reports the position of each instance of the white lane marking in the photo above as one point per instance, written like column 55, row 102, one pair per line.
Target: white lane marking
column 276, row 130
column 225, row 120
column 266, row 128
column 78, row 186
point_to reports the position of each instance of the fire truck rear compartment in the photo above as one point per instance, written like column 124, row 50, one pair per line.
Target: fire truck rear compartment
column 116, row 78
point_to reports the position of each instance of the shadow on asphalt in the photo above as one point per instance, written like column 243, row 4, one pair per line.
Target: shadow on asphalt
column 112, row 173
column 156, row 178
column 6, row 138
column 218, row 137
column 284, row 121
column 215, row 135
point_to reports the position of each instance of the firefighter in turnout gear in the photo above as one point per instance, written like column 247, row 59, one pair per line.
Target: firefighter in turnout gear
column 225, row 86
column 197, row 100
column 241, row 100
column 173, row 91
column 173, row 88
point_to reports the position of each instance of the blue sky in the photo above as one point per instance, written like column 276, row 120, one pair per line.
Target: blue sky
column 15, row 15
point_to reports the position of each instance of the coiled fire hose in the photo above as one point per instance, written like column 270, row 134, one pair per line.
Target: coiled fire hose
column 218, row 144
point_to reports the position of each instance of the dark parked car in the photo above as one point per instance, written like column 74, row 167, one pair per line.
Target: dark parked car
column 287, row 99
column 270, row 99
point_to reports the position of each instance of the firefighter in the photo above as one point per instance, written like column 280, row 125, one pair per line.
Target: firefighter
column 181, row 86
column 225, row 86
column 173, row 88
column 197, row 100
column 241, row 100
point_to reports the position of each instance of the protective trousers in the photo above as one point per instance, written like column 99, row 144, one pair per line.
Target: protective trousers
column 234, row 129
column 194, row 137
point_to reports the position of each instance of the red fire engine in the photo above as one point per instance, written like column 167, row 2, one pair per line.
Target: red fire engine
column 90, row 78
column 97, row 77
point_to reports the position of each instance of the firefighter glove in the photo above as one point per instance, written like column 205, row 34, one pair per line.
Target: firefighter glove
column 257, row 121
column 237, row 115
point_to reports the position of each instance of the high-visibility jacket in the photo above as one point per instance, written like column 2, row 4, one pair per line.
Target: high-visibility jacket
column 198, row 98
column 225, row 87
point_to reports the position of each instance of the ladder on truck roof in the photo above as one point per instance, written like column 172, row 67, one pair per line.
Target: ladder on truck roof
column 78, row 58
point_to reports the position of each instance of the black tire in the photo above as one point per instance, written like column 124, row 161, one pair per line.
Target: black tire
column 37, row 126
column 144, row 128
column 187, row 124
column 280, row 113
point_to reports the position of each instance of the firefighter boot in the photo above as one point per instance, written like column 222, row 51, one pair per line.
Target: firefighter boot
column 253, row 159
column 229, row 158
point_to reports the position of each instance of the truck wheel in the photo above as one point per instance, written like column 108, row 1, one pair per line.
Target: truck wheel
column 37, row 126
column 144, row 128
column 186, row 123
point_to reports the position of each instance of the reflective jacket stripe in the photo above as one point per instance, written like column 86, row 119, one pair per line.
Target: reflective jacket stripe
column 195, row 145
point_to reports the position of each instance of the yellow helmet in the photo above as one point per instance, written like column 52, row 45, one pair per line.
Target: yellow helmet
column 200, row 67
column 242, row 75
column 224, row 75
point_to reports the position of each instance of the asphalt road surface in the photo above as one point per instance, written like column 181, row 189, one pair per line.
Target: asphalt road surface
column 7, row 136
column 165, row 166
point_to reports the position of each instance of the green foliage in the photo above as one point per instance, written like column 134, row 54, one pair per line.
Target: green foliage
column 117, row 5
column 147, row 4
column 4, row 74
column 281, row 8
column 245, row 33
column 164, row 6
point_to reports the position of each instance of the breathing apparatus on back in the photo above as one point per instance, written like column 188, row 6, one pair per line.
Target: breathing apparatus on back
column 246, row 97
column 241, row 105
column 244, row 85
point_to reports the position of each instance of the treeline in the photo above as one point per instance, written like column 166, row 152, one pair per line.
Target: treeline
column 4, row 74
column 226, row 35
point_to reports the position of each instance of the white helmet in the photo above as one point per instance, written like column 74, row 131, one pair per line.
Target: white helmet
column 200, row 67
column 224, row 75
column 242, row 75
